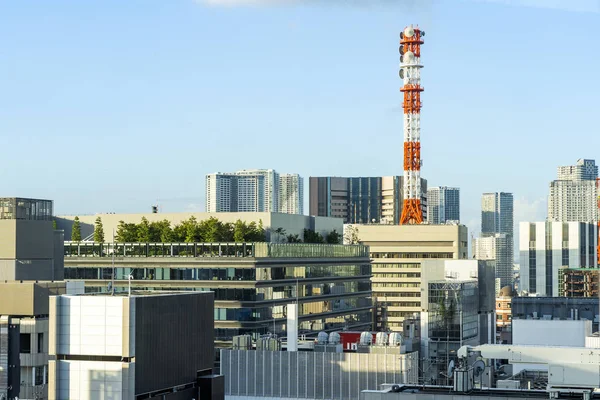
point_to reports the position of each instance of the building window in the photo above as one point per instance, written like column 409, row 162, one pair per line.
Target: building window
column 40, row 338
column 25, row 343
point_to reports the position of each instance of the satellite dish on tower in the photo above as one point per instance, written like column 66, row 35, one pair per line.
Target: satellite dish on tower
column 450, row 368
column 422, row 33
column 401, row 74
column 408, row 57
column 409, row 31
column 401, row 35
column 401, row 49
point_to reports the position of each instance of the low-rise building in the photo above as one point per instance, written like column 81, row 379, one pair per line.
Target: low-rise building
column 142, row 346
column 24, row 336
column 30, row 248
column 252, row 281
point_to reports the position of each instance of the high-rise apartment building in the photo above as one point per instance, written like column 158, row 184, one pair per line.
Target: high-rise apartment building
column 497, row 213
column 257, row 190
column 499, row 249
column 291, row 194
column 443, row 204
column 545, row 247
column 360, row 199
column 573, row 196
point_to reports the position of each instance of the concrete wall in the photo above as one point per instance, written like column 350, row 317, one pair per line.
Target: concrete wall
column 28, row 298
column 416, row 238
column 30, row 250
column 292, row 223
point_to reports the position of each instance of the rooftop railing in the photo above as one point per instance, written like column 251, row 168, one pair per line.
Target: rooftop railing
column 200, row 250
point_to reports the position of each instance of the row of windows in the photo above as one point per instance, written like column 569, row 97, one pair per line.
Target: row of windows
column 399, row 275
column 411, row 255
column 398, row 265
column 382, row 295
column 396, row 284
column 219, row 274
column 275, row 312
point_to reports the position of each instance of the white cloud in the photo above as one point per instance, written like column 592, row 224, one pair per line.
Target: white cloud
column 530, row 210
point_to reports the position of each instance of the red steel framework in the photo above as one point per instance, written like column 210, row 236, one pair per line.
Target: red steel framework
column 598, row 194
column 410, row 50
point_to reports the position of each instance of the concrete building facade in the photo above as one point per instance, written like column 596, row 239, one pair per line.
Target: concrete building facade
column 545, row 247
column 151, row 346
column 397, row 253
column 443, row 204
column 30, row 248
column 292, row 224
column 360, row 199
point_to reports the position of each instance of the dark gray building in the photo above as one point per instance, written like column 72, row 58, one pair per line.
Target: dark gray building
column 253, row 282
column 30, row 248
column 359, row 200
column 142, row 346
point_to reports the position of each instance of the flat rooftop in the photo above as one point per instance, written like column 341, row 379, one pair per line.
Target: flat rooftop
column 410, row 391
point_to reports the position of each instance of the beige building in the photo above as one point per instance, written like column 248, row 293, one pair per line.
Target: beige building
column 24, row 336
column 396, row 254
column 292, row 224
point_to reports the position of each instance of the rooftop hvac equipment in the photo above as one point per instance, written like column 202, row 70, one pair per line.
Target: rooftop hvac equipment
column 395, row 339
column 381, row 338
column 322, row 338
column 334, row 338
column 366, row 338
column 242, row 342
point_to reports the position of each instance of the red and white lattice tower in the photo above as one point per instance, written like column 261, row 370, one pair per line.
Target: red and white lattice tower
column 410, row 73
column 598, row 194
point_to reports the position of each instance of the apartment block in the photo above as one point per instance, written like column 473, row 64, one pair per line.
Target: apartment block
column 257, row 190
column 573, row 196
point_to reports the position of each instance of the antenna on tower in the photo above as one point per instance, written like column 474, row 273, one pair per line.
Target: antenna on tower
column 410, row 54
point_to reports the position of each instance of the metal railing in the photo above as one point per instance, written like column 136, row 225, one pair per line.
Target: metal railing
column 198, row 250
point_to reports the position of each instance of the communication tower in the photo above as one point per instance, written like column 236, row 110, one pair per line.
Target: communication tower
column 410, row 73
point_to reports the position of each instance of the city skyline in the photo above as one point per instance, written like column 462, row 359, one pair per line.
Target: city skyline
column 107, row 108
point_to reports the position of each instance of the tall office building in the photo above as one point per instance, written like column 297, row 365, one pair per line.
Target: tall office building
column 443, row 204
column 291, row 194
column 499, row 249
column 545, row 247
column 573, row 196
column 257, row 190
column 360, row 199
column 497, row 213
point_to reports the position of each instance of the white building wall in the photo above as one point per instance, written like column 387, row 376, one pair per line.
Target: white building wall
column 95, row 380
column 556, row 248
column 538, row 332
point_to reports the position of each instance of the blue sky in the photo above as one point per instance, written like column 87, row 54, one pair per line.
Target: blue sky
column 107, row 106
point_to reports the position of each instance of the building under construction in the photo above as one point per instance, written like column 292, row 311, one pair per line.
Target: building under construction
column 578, row 282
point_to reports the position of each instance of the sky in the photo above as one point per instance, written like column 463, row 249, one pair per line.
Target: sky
column 113, row 106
